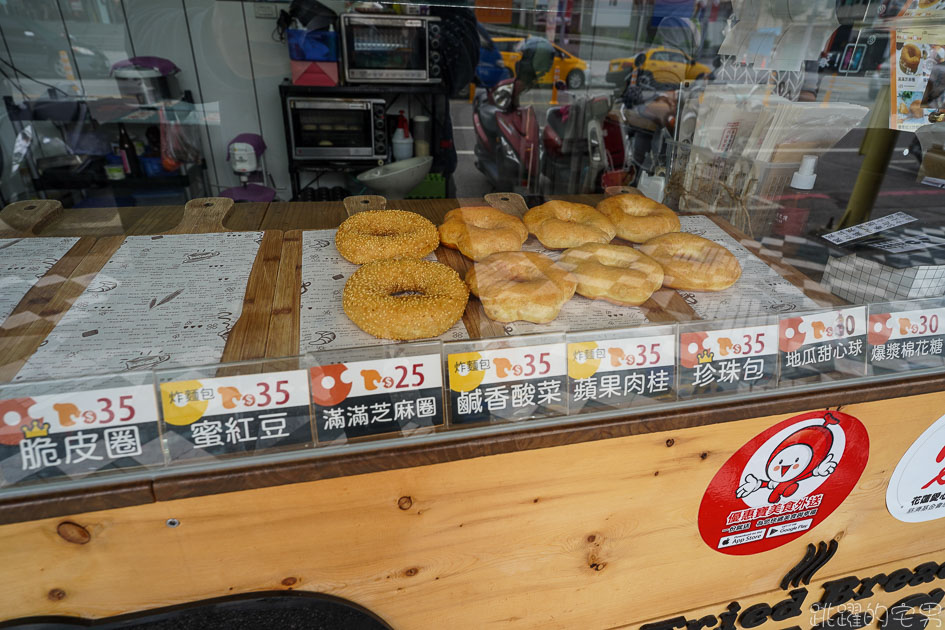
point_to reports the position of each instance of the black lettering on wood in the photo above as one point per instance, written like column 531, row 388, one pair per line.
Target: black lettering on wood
column 867, row 584
column 727, row 618
column 897, row 580
column 708, row 621
column 923, row 573
column 837, row 592
column 668, row 624
column 790, row 607
column 754, row 615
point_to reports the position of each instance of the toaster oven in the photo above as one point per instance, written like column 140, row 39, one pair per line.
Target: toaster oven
column 391, row 48
column 336, row 128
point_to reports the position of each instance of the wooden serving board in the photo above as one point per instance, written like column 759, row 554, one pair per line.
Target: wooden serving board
column 45, row 305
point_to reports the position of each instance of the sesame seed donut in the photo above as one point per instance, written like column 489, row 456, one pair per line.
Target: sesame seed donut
column 525, row 286
column 406, row 298
column 562, row 224
column 382, row 234
column 693, row 263
column 638, row 218
column 614, row 273
column 482, row 230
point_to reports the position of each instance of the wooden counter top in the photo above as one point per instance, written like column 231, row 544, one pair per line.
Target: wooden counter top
column 266, row 330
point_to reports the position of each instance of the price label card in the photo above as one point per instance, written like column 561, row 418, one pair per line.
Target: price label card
column 77, row 433
column 823, row 346
column 230, row 415
column 398, row 395
column 906, row 336
column 727, row 360
column 490, row 383
column 614, row 369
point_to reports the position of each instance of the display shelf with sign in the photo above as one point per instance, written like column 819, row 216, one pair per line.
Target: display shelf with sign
column 71, row 429
column 906, row 335
column 209, row 412
column 619, row 368
column 496, row 380
column 822, row 346
column 727, row 356
column 378, row 391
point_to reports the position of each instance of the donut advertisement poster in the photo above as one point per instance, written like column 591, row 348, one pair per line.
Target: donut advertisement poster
column 916, row 491
column 399, row 395
column 783, row 482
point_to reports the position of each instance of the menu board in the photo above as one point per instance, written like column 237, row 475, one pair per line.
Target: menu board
column 159, row 301
column 323, row 323
column 917, row 74
column 23, row 261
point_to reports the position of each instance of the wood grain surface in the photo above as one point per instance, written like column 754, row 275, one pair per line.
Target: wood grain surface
column 28, row 218
column 595, row 535
column 47, row 302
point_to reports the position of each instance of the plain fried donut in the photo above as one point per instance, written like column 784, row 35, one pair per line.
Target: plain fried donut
column 638, row 218
column 562, row 224
column 521, row 286
column 382, row 234
column 614, row 273
column 693, row 263
column 482, row 230
column 909, row 58
column 404, row 299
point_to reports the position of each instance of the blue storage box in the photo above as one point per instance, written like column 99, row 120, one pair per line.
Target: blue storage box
column 312, row 45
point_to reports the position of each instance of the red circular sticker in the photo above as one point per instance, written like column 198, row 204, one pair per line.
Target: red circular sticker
column 783, row 482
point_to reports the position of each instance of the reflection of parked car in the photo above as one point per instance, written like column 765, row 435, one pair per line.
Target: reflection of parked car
column 36, row 51
column 659, row 65
column 491, row 68
column 570, row 69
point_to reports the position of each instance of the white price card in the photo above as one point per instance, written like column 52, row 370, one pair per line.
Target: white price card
column 385, row 396
column 77, row 433
column 617, row 372
column 870, row 227
column 507, row 383
column 907, row 339
column 249, row 413
column 727, row 360
column 826, row 343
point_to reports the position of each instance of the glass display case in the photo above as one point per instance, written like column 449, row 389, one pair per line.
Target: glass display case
column 251, row 250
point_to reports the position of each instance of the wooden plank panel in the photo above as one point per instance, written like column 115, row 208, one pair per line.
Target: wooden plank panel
column 46, row 303
column 28, row 218
column 247, row 340
column 594, row 535
column 304, row 216
column 283, row 337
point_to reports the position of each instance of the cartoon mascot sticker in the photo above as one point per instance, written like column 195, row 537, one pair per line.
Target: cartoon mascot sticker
column 802, row 455
column 783, row 482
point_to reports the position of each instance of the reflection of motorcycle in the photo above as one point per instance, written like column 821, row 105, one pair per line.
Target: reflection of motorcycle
column 648, row 116
column 508, row 148
column 576, row 139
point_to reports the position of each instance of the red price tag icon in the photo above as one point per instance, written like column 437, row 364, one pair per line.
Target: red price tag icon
column 109, row 410
column 261, row 395
column 742, row 345
column 530, row 366
column 403, row 377
column 639, row 356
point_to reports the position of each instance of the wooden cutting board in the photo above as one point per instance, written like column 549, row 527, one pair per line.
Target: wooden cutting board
column 44, row 305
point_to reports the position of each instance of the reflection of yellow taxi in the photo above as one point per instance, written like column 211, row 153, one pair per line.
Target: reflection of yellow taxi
column 570, row 69
column 664, row 66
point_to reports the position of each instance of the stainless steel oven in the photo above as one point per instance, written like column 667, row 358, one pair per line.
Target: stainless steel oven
column 337, row 128
column 391, row 48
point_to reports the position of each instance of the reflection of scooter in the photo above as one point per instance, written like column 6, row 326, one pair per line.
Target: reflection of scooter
column 574, row 140
column 508, row 148
column 649, row 120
